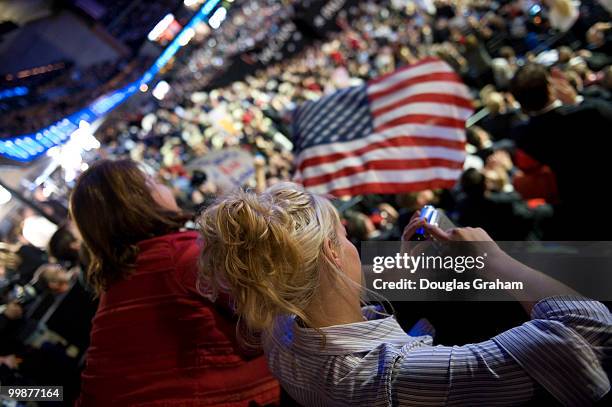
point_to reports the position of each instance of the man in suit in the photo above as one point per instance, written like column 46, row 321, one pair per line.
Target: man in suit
column 504, row 213
column 574, row 140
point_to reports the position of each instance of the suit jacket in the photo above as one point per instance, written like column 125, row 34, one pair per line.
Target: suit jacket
column 575, row 142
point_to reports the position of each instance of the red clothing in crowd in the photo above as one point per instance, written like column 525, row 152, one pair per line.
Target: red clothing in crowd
column 156, row 341
column 535, row 180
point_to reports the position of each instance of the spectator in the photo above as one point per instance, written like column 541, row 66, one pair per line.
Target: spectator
column 562, row 14
column 485, row 205
column 554, row 136
column 64, row 247
column 501, row 118
column 504, row 67
column 143, row 267
column 11, row 320
column 301, row 285
column 599, row 38
column 55, row 278
column 603, row 89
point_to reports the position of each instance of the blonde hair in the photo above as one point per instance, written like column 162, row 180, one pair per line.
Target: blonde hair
column 267, row 250
column 564, row 7
column 8, row 256
column 494, row 102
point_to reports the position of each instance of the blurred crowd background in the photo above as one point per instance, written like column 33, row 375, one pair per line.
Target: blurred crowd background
column 206, row 120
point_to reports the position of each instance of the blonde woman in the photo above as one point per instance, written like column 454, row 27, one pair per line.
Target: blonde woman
column 562, row 14
column 296, row 278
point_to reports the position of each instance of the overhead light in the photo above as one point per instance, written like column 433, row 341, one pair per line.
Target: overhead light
column 160, row 90
column 160, row 27
column 84, row 138
column 217, row 18
column 186, row 36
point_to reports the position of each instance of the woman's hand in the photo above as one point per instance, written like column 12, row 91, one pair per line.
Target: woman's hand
column 562, row 88
column 467, row 241
column 415, row 223
column 458, row 234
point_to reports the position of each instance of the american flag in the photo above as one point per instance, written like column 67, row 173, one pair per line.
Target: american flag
column 401, row 132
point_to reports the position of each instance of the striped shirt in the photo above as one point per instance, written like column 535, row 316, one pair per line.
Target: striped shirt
column 562, row 349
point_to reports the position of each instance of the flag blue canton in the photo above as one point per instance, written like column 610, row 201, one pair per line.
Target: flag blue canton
column 339, row 117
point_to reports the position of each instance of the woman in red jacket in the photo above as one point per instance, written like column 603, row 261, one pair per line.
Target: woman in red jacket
column 155, row 340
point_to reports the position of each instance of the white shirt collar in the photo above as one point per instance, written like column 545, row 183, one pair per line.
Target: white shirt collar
column 557, row 103
column 346, row 339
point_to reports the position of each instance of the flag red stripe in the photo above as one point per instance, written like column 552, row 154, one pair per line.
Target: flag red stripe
column 444, row 117
column 401, row 141
column 427, row 98
column 431, row 120
column 430, row 77
column 394, row 187
column 382, row 165
column 404, row 68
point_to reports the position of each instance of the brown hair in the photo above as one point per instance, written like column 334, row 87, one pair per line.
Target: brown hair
column 113, row 209
column 530, row 87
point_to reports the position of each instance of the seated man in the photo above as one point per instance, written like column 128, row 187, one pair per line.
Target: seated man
column 574, row 141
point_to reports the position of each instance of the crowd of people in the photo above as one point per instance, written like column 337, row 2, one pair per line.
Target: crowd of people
column 541, row 79
column 131, row 21
column 64, row 94
column 58, row 92
column 486, row 42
